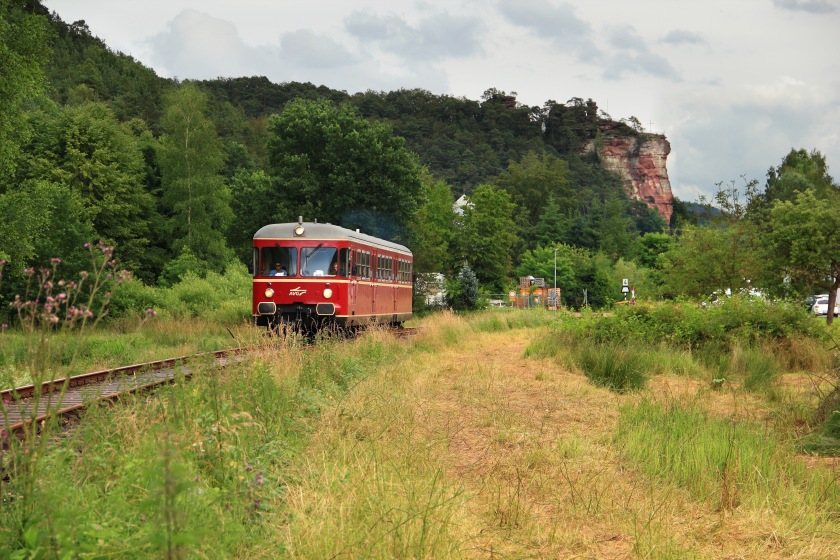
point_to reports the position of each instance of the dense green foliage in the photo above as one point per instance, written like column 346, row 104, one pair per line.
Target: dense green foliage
column 178, row 176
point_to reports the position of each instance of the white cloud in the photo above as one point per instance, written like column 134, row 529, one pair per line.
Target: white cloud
column 196, row 45
column 811, row 6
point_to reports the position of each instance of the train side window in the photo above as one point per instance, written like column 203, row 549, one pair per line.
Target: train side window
column 343, row 262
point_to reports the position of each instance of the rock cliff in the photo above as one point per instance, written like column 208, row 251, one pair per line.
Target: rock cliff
column 640, row 160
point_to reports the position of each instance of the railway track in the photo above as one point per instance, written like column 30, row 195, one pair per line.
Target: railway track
column 61, row 397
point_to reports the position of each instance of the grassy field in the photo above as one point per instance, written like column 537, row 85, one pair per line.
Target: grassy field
column 498, row 435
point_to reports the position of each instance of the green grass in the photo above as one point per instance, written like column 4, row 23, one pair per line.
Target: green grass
column 613, row 366
column 724, row 462
column 189, row 472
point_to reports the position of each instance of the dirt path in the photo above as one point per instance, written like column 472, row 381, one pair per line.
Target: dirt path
column 470, row 450
column 532, row 443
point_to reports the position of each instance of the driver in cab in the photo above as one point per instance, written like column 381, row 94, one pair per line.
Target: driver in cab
column 279, row 270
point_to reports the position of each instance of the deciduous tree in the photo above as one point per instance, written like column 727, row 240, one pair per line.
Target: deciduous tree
column 330, row 164
column 194, row 193
column 487, row 235
column 23, row 48
column 804, row 236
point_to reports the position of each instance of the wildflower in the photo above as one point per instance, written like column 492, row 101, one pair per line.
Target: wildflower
column 48, row 285
column 84, row 274
column 151, row 313
column 61, row 297
column 55, row 261
column 5, row 326
column 29, row 271
column 62, row 282
column 50, row 299
column 87, row 245
column 53, row 318
column 3, row 262
column 107, row 295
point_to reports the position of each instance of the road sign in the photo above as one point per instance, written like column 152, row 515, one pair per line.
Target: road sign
column 625, row 290
column 625, row 282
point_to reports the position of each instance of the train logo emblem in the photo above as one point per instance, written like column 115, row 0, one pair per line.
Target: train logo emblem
column 296, row 291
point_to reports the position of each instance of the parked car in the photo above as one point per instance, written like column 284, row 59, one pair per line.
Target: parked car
column 820, row 307
column 812, row 299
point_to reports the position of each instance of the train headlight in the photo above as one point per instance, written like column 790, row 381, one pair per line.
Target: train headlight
column 327, row 293
column 299, row 231
column 269, row 292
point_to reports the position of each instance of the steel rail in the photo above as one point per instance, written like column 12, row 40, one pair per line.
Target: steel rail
column 59, row 397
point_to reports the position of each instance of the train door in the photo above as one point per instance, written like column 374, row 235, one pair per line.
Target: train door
column 395, row 279
column 354, row 279
column 374, row 260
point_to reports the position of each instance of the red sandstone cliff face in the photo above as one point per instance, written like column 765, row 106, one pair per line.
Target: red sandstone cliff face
column 640, row 160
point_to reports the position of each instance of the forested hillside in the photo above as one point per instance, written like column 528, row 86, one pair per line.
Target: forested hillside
column 93, row 146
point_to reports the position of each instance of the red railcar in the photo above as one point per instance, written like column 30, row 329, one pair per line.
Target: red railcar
column 310, row 276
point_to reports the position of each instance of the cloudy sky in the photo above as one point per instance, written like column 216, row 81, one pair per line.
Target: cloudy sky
column 733, row 84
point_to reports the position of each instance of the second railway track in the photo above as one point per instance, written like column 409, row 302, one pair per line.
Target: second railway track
column 35, row 403
column 60, row 397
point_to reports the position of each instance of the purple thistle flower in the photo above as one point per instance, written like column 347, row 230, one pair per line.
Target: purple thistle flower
column 55, row 261
column 87, row 245
column 29, row 271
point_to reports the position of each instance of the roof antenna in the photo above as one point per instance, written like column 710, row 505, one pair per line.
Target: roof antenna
column 300, row 219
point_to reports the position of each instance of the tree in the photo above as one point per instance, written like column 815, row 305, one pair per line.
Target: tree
column 487, row 235
column 23, row 48
column 704, row 259
column 59, row 228
column 540, row 263
column 85, row 148
column 328, row 163
column 535, row 178
column 798, row 172
column 252, row 206
column 804, row 236
column 552, row 225
column 432, row 228
column 462, row 291
column 194, row 193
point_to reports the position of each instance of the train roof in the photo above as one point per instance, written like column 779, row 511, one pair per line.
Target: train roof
column 316, row 231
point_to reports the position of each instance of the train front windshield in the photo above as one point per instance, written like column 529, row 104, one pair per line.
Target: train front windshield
column 319, row 261
column 278, row 261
